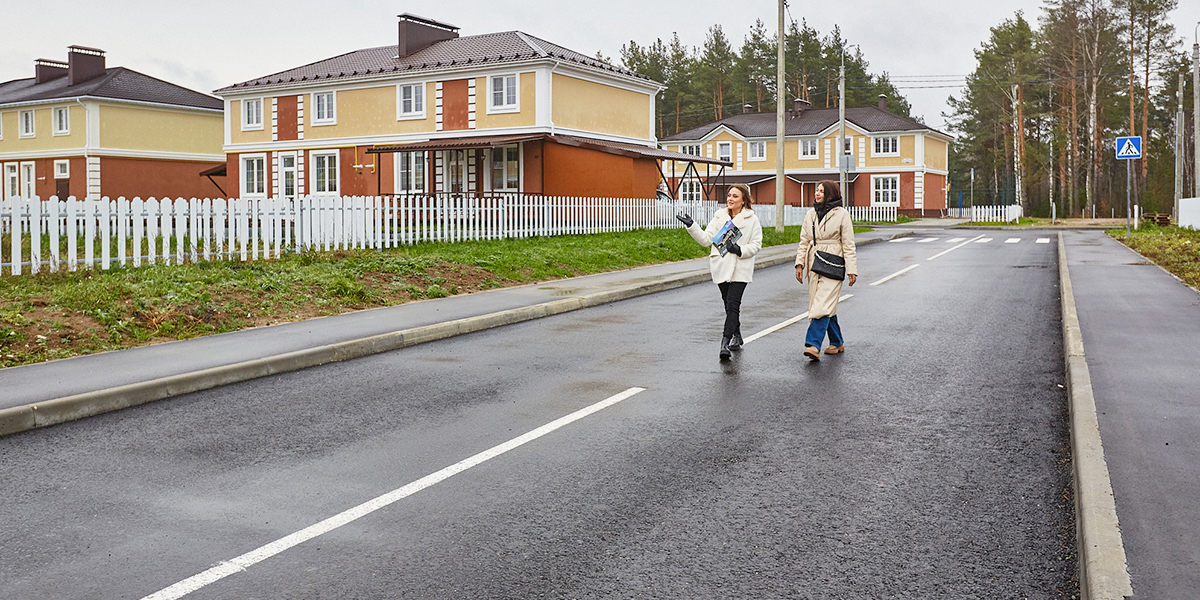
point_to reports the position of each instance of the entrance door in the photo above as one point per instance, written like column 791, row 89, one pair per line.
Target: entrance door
column 454, row 171
column 62, row 188
column 12, row 181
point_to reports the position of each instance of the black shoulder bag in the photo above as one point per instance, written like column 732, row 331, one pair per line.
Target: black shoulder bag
column 826, row 264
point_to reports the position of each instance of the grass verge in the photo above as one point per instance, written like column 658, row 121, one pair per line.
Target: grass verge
column 1176, row 250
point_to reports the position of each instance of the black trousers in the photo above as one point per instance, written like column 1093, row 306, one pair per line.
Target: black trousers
column 731, row 295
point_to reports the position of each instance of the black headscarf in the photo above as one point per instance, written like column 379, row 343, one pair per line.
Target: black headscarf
column 833, row 198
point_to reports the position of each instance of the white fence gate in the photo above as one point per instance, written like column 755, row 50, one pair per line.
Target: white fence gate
column 990, row 213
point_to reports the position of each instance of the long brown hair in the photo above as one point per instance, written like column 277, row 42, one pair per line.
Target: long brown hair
column 747, row 197
column 832, row 191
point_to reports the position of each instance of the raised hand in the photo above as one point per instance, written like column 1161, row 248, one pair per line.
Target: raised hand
column 685, row 219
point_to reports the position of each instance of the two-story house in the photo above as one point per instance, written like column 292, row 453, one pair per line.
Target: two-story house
column 80, row 128
column 893, row 160
column 440, row 113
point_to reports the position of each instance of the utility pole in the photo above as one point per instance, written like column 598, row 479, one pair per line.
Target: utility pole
column 841, row 151
column 1196, row 112
column 1179, row 149
column 781, row 94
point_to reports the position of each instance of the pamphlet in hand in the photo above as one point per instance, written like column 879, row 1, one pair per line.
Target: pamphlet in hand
column 728, row 234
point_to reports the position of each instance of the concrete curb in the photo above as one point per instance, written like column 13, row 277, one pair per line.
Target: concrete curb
column 1103, row 574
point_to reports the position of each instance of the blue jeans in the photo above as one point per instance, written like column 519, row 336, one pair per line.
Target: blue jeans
column 817, row 329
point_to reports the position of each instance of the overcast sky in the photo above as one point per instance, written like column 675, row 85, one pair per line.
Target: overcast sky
column 212, row 44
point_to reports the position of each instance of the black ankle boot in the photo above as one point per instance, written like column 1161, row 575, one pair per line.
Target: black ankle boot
column 735, row 342
column 725, row 354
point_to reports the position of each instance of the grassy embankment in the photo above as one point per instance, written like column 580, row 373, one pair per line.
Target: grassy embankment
column 1176, row 250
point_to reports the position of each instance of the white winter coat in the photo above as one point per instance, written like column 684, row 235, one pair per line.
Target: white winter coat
column 730, row 267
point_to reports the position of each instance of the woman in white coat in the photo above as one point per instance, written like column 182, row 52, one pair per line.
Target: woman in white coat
column 735, row 269
column 827, row 228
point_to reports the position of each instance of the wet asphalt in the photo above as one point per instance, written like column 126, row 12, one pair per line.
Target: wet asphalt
column 929, row 461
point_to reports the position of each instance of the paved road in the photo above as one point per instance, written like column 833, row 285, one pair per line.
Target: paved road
column 929, row 461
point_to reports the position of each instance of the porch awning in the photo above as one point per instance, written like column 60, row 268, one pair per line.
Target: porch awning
column 819, row 177
column 217, row 171
column 490, row 141
column 458, row 143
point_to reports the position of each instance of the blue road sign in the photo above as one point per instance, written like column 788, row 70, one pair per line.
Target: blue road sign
column 1129, row 147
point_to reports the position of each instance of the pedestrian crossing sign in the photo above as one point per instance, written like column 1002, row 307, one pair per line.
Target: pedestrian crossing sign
column 1129, row 147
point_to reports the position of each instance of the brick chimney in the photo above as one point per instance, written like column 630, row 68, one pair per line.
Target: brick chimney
column 882, row 102
column 799, row 106
column 45, row 69
column 84, row 64
column 419, row 33
column 747, row 108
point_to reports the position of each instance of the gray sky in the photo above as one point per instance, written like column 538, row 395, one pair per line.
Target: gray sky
column 208, row 45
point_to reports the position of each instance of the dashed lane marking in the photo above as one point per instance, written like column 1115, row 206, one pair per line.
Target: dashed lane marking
column 1013, row 241
column 898, row 240
column 983, row 240
column 954, row 240
column 949, row 250
column 793, row 320
column 926, row 240
column 897, row 274
column 1043, row 240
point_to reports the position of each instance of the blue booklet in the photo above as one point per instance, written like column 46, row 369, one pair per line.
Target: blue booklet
column 728, row 234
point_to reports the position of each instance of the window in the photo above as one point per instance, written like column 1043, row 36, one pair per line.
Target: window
column 689, row 190
column 758, row 151
column 62, row 121
column 808, row 148
column 287, row 175
column 325, row 173
column 412, row 172
column 254, row 176
column 252, row 114
column 505, row 165
column 886, row 146
column 12, row 185
column 724, row 150
column 324, row 109
column 411, row 101
column 26, row 124
column 503, row 95
column 62, row 169
column 885, row 190
column 694, row 150
column 28, row 180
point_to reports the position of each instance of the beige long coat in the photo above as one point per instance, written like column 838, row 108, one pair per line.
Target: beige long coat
column 835, row 234
column 731, row 267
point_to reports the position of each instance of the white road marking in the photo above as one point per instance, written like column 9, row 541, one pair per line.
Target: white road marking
column 947, row 251
column 983, row 241
column 1013, row 241
column 793, row 320
column 241, row 563
column 954, row 240
column 897, row 274
column 926, row 240
column 1043, row 240
column 903, row 239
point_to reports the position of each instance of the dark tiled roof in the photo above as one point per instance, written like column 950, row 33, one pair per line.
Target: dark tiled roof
column 810, row 122
column 489, row 49
column 117, row 83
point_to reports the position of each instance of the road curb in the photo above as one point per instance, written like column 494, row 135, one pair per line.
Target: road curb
column 1103, row 573
column 69, row 408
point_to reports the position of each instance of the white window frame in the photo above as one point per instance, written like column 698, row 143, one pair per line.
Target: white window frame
column 692, row 149
column 885, row 140
column 62, row 169
column 876, row 192
column 284, row 171
column 512, row 103
column 317, row 157
column 65, row 112
column 514, row 163
column 330, row 108
column 1, row 125
column 28, row 181
column 809, row 143
column 762, row 154
column 691, row 190
column 12, row 180
column 22, row 131
column 414, row 112
column 727, row 147
column 249, row 122
column 406, row 170
column 244, row 176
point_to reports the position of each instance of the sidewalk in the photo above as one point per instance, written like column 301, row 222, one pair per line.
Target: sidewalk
column 57, row 391
column 1141, row 333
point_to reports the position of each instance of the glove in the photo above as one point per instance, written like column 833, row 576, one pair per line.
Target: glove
column 735, row 249
column 685, row 219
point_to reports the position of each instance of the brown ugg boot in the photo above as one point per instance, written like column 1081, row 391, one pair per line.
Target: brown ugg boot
column 812, row 352
column 835, row 349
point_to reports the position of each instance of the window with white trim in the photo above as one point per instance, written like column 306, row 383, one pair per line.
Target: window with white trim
column 693, row 149
column 254, row 176
column 724, row 150
column 28, row 180
column 62, row 169
column 252, row 114
column 1, row 126
column 808, row 148
column 287, row 175
column 325, row 108
column 506, row 168
column 885, row 190
column 886, row 146
column 26, row 125
column 758, row 151
column 690, row 190
column 62, row 121
column 12, row 181
column 503, row 94
column 411, row 172
column 325, row 172
column 410, row 101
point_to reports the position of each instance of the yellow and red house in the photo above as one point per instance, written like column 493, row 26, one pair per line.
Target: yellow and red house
column 79, row 128
column 894, row 160
column 440, row 113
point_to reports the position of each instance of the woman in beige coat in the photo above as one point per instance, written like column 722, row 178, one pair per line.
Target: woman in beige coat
column 735, row 269
column 827, row 228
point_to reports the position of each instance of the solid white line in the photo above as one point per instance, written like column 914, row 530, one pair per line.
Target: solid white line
column 949, row 250
column 795, row 319
column 897, row 274
column 241, row 563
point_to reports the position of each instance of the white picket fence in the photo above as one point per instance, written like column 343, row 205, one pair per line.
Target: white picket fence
column 992, row 213
column 873, row 214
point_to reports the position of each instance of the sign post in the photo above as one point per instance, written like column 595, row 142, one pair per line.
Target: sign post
column 1128, row 149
